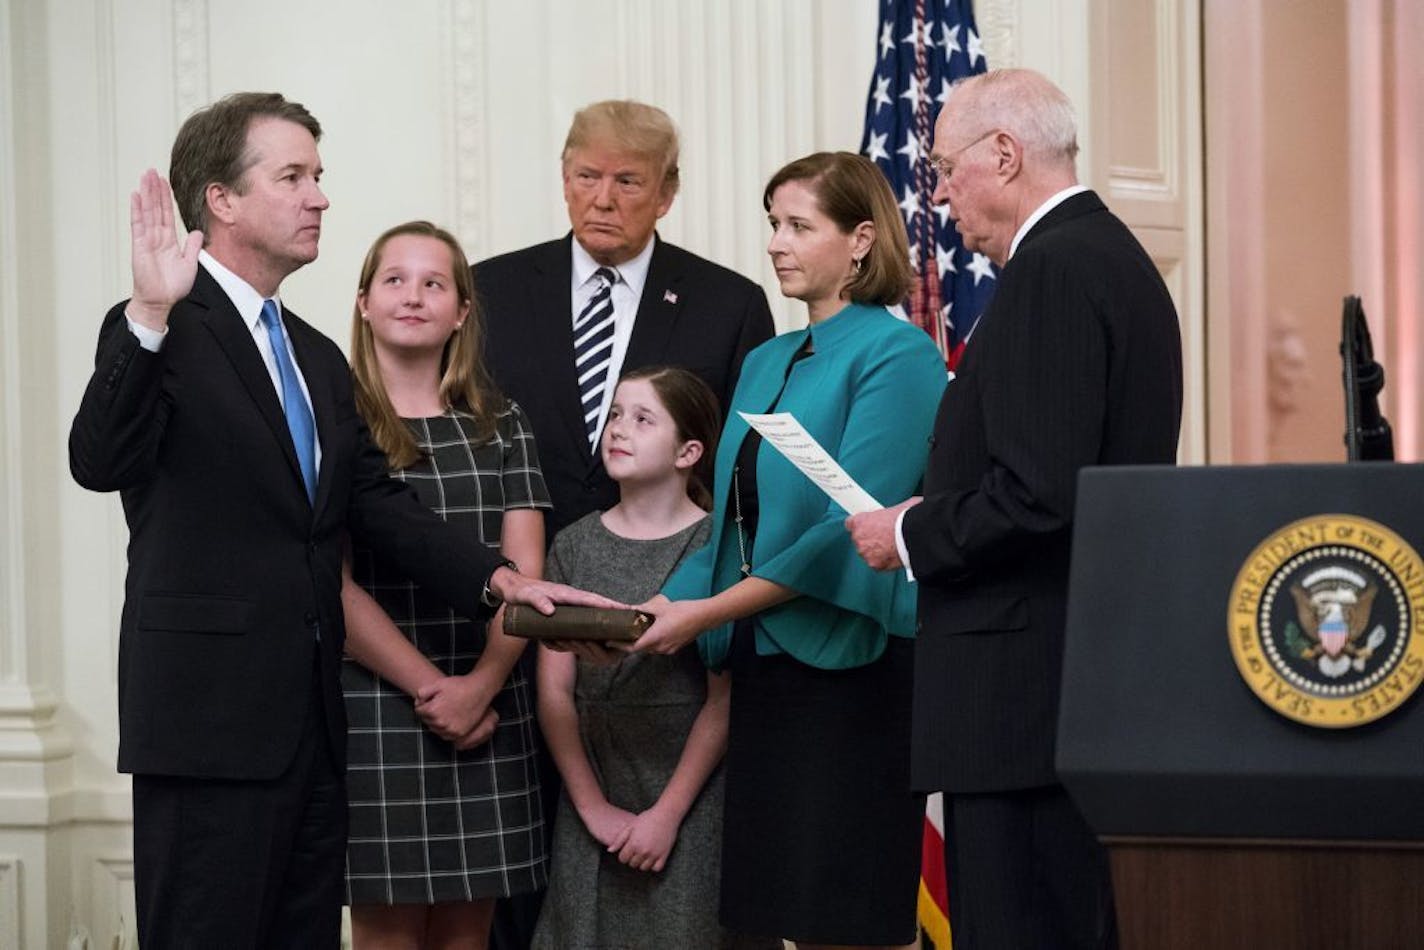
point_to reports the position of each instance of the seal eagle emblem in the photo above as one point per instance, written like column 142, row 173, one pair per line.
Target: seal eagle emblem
column 1324, row 620
column 1333, row 606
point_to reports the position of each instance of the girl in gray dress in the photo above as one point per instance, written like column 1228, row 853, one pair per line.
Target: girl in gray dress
column 638, row 741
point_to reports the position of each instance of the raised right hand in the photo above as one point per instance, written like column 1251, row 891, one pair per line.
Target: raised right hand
column 163, row 266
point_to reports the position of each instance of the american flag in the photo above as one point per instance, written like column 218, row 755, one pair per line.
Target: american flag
column 922, row 47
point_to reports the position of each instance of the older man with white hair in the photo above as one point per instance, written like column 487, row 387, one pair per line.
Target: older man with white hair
column 1076, row 362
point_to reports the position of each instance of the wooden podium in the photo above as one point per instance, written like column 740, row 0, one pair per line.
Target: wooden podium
column 1234, row 820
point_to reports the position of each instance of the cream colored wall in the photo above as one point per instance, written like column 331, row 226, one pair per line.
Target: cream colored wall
column 1145, row 75
column 1315, row 172
column 448, row 109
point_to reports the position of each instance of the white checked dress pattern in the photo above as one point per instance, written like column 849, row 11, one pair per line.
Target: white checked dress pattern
column 429, row 823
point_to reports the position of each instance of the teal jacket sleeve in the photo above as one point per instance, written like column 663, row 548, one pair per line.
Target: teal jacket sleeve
column 884, row 447
column 693, row 577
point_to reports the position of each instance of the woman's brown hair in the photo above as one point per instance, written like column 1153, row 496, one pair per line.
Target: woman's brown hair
column 694, row 410
column 464, row 382
column 849, row 189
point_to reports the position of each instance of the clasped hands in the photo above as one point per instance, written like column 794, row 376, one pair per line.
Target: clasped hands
column 458, row 708
column 642, row 841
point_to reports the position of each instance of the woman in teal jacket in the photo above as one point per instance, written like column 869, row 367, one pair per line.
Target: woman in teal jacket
column 821, row 841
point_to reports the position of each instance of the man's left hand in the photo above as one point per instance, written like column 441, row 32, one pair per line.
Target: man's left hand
column 514, row 588
column 874, row 535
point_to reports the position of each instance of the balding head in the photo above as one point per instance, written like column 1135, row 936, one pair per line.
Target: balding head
column 1005, row 142
column 1026, row 105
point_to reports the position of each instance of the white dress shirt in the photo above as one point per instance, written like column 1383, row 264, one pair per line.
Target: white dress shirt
column 249, row 306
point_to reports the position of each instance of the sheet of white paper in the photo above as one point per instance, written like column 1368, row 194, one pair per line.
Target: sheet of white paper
column 792, row 440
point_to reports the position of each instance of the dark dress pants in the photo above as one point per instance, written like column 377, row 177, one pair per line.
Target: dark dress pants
column 1025, row 871
column 244, row 864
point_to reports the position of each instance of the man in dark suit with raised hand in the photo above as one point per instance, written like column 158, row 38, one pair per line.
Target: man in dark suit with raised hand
column 1077, row 361
column 563, row 319
column 227, row 425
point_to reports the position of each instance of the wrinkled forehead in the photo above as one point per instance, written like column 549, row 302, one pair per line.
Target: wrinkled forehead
column 611, row 158
column 951, row 124
column 278, row 142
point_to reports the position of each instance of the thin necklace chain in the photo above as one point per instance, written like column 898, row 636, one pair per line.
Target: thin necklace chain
column 746, row 567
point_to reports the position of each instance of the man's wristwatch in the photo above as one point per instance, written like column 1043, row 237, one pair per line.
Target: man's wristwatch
column 487, row 596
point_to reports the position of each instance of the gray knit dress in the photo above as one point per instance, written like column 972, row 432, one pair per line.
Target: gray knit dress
column 634, row 719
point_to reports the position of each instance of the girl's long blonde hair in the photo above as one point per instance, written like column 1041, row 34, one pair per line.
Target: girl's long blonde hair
column 464, row 382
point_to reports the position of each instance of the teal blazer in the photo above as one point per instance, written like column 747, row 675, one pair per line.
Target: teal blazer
column 868, row 395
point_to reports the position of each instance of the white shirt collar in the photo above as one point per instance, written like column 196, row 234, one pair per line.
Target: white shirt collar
column 1042, row 210
column 242, row 294
column 632, row 272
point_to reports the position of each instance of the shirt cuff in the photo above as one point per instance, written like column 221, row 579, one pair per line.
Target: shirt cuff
column 900, row 545
column 148, row 338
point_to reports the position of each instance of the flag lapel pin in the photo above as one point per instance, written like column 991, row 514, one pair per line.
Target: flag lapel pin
column 669, row 297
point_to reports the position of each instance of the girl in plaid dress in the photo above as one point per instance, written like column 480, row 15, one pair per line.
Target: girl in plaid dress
column 442, row 782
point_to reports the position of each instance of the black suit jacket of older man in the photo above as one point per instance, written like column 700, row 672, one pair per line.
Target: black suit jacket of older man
column 232, row 573
column 1076, row 362
column 693, row 313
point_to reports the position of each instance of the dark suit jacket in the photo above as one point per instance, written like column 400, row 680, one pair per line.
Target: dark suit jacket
column 232, row 573
column 716, row 318
column 1077, row 361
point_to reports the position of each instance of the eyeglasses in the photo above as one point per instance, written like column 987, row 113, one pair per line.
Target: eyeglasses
column 944, row 167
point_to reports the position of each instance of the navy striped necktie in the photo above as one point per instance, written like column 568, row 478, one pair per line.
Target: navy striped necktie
column 593, row 349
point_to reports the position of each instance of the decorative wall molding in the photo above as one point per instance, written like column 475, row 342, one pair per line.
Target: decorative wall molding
column 111, row 914
column 998, row 22
column 10, row 868
column 1234, row 83
column 1161, row 181
column 107, row 215
column 12, row 542
column 191, row 75
column 471, row 158
column 30, row 739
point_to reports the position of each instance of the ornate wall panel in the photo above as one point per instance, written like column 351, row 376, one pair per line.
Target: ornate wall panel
column 111, row 918
column 10, row 934
column 1146, row 137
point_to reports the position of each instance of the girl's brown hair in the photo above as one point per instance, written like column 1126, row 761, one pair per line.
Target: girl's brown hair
column 694, row 410
column 464, row 382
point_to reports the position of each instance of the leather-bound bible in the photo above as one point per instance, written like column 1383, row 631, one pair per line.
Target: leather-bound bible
column 576, row 623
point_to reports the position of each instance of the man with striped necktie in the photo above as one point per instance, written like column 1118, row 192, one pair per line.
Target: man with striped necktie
column 565, row 318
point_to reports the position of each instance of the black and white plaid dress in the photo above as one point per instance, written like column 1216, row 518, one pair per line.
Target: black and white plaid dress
column 429, row 823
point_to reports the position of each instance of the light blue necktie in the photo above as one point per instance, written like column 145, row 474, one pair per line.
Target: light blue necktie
column 299, row 417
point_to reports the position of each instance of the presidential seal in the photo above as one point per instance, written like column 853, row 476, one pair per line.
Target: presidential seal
column 1324, row 621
